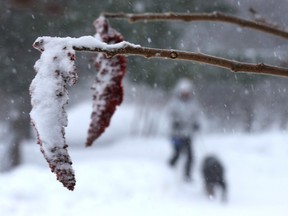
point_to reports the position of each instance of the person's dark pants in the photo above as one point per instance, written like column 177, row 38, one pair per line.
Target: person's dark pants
column 183, row 146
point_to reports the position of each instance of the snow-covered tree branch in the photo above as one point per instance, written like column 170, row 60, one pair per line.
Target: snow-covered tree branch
column 56, row 70
column 126, row 48
column 234, row 66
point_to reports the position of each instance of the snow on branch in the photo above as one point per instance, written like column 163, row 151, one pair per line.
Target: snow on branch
column 193, row 17
column 125, row 48
column 49, row 95
column 55, row 70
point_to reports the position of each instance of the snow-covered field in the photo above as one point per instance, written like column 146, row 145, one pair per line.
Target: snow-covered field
column 129, row 175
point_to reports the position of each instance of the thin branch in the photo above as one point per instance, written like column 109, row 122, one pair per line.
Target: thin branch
column 234, row 66
column 192, row 17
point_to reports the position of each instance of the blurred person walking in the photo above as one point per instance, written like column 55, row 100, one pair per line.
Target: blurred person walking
column 184, row 112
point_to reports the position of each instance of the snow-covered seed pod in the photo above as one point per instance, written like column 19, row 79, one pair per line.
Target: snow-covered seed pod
column 55, row 70
column 107, row 88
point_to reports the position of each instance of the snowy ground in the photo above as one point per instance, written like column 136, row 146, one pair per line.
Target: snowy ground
column 130, row 176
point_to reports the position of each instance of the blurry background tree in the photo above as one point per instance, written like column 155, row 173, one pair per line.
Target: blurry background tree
column 234, row 96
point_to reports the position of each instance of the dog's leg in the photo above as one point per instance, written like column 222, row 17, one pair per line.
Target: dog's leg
column 224, row 191
column 210, row 190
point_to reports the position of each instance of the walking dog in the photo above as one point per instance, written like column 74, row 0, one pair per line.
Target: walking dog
column 213, row 176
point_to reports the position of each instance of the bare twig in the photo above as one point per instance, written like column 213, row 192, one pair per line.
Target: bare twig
column 260, row 19
column 192, row 17
column 234, row 66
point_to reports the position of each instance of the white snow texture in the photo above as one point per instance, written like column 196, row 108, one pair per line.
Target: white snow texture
column 131, row 176
column 55, row 70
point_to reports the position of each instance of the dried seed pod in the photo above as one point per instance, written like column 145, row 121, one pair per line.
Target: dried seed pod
column 107, row 88
column 55, row 70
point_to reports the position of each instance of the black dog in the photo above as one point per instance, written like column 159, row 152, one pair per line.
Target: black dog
column 213, row 174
